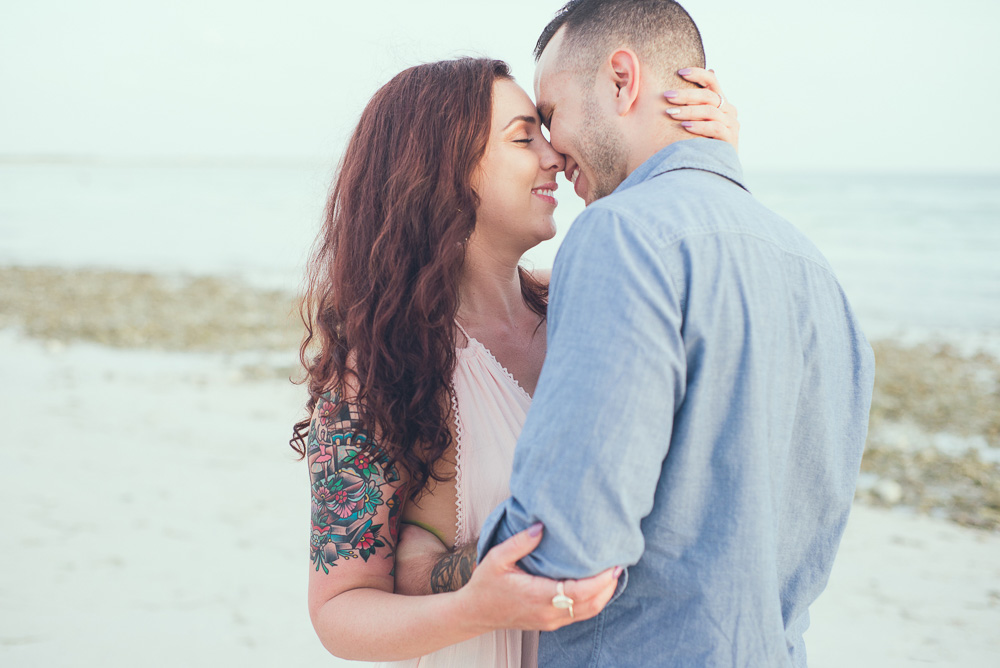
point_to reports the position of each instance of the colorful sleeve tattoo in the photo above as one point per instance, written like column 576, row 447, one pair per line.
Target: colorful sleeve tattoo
column 352, row 486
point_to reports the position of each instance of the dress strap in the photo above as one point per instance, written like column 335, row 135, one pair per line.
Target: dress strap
column 462, row 329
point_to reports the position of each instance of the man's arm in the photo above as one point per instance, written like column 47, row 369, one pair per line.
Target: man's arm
column 589, row 459
column 454, row 569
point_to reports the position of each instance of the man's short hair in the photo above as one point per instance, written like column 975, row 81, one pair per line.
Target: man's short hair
column 661, row 33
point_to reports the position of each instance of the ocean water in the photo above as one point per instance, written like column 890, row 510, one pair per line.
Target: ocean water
column 916, row 254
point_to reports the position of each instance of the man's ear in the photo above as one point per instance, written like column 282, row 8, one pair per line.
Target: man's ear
column 626, row 74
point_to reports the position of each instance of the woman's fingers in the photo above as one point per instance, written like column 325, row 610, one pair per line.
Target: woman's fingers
column 694, row 96
column 710, row 129
column 506, row 554
column 504, row 596
column 700, row 76
column 595, row 591
column 707, row 121
column 588, row 588
column 698, row 112
column 535, row 594
column 590, row 595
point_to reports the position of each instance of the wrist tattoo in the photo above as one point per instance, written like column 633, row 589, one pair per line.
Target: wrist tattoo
column 453, row 570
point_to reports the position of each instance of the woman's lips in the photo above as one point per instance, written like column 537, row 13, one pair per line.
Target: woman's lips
column 546, row 192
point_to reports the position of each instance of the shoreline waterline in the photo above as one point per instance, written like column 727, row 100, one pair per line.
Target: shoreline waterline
column 934, row 437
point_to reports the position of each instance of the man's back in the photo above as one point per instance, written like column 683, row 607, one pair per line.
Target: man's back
column 722, row 455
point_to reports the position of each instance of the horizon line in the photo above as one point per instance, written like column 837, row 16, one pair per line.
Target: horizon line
column 314, row 162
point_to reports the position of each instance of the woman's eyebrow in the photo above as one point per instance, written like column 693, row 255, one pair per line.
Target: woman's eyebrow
column 526, row 119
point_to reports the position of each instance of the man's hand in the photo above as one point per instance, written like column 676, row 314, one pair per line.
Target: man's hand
column 424, row 565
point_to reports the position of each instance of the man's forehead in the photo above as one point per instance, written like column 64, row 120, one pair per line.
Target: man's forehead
column 547, row 60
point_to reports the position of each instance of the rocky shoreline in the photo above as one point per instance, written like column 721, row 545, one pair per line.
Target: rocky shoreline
column 934, row 437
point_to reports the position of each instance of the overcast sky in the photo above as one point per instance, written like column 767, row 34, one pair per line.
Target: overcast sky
column 853, row 85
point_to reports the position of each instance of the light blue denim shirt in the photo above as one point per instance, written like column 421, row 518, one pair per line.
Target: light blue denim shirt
column 699, row 419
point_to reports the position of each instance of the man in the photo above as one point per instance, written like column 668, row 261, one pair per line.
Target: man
column 702, row 410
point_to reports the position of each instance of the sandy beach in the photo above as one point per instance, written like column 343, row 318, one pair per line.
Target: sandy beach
column 153, row 513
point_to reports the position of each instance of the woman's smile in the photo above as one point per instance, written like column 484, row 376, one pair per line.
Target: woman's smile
column 545, row 192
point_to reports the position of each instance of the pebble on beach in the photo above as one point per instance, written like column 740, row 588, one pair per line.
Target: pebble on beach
column 888, row 492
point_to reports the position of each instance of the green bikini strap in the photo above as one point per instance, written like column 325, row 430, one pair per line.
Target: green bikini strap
column 427, row 527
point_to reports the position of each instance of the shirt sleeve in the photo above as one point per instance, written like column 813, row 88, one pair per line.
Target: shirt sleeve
column 589, row 458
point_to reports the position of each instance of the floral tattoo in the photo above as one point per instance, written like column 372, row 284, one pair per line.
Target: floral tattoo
column 350, row 478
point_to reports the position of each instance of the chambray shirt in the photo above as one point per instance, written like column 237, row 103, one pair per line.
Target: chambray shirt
column 699, row 419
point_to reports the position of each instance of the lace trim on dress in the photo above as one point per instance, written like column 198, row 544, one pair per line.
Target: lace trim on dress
column 459, row 517
column 459, row 450
column 509, row 375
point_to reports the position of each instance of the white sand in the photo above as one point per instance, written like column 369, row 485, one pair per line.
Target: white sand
column 151, row 515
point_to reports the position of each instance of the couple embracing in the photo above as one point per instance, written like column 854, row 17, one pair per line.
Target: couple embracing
column 685, row 472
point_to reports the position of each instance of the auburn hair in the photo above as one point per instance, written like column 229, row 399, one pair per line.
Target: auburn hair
column 382, row 281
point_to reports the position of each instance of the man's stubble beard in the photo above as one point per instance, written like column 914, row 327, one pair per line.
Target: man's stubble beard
column 602, row 148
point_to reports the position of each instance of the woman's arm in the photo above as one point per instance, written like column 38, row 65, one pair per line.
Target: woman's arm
column 357, row 501
column 368, row 623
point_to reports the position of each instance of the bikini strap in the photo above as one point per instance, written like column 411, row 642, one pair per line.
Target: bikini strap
column 429, row 529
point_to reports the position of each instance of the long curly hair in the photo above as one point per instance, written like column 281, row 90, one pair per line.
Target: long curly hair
column 382, row 286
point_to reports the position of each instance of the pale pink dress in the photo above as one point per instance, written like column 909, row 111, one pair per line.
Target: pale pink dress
column 489, row 409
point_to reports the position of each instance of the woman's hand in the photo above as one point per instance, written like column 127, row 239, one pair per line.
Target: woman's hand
column 698, row 108
column 502, row 596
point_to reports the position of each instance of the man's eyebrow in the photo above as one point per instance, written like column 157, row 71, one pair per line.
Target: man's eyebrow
column 526, row 119
column 545, row 112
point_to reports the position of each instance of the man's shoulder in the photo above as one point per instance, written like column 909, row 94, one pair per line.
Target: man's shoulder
column 687, row 212
column 670, row 206
column 606, row 224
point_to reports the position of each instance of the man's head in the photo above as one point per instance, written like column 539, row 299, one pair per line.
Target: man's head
column 603, row 66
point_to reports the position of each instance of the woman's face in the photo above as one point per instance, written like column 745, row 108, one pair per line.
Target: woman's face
column 516, row 179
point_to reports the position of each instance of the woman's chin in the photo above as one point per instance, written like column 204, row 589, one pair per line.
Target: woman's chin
column 547, row 234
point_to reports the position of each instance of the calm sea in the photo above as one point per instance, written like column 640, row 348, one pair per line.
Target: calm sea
column 915, row 253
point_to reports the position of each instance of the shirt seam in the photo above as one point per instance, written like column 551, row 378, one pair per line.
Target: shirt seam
column 707, row 231
column 703, row 167
column 682, row 155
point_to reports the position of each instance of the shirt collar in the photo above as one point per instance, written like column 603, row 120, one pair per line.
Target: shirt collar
column 710, row 155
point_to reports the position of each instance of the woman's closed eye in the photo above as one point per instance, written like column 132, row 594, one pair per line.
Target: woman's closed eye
column 524, row 141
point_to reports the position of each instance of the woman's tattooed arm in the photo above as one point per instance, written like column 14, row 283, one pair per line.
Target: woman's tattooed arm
column 352, row 487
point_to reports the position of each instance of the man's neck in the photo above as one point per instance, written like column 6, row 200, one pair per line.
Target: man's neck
column 646, row 145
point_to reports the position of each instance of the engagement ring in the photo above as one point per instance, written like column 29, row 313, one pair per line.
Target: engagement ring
column 561, row 600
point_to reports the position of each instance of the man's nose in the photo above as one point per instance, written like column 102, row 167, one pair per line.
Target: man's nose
column 553, row 160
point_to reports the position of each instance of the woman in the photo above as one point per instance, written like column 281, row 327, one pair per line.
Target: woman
column 425, row 341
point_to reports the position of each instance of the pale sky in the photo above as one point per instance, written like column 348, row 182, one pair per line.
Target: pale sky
column 855, row 85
